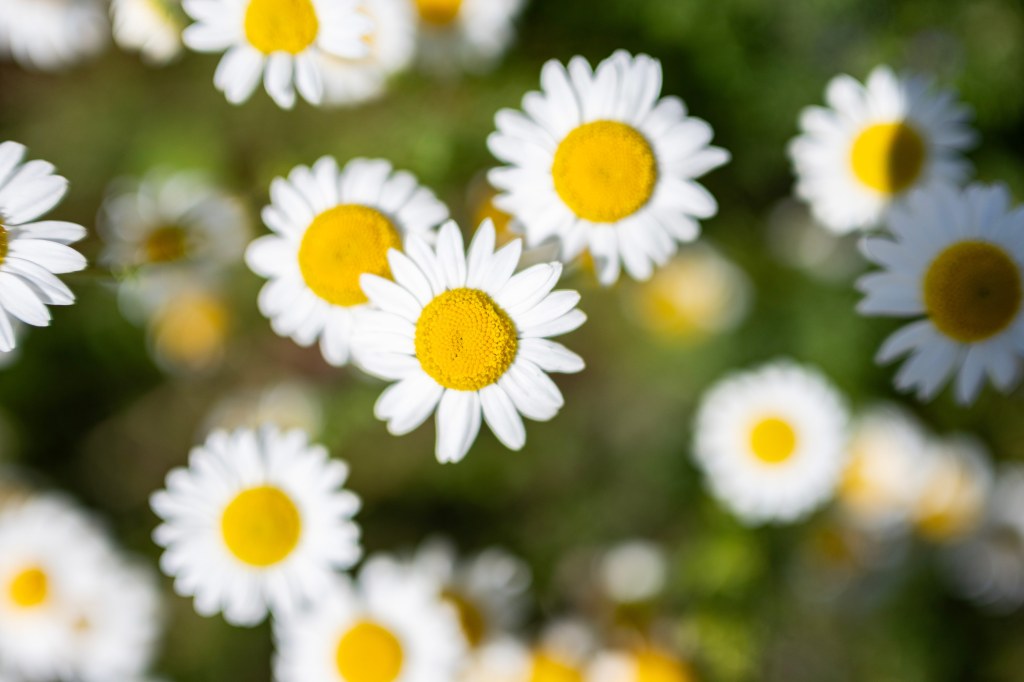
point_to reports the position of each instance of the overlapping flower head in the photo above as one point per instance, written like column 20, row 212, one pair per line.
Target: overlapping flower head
column 52, row 35
column 150, row 27
column 470, row 35
column 602, row 163
column 877, row 143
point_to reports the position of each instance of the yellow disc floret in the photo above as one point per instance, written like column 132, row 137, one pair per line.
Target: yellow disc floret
column 655, row 666
column 605, row 171
column 281, row 25
column 888, row 157
column 341, row 244
column 29, row 588
column 369, row 652
column 773, row 440
column 261, row 526
column 165, row 245
column 439, row 12
column 464, row 340
column 550, row 668
column 972, row 291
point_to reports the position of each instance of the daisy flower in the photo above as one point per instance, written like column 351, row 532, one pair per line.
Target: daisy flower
column 287, row 404
column 772, row 442
column 487, row 590
column 465, row 34
column 389, row 626
column 329, row 228
column 258, row 521
column 150, row 27
column 52, row 35
column 463, row 335
column 633, row 572
column 189, row 329
column 279, row 40
column 955, row 485
column 857, row 160
column 32, row 251
column 955, row 260
column 391, row 44
column 562, row 654
column 643, row 664
column 601, row 162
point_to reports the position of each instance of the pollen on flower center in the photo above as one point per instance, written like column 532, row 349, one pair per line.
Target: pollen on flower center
column 261, row 526
column 605, row 171
column 369, row 652
column 972, row 291
column 472, row 621
column 166, row 244
column 281, row 25
column 888, row 157
column 341, row 244
column 464, row 340
column 29, row 588
column 438, row 12
column 547, row 668
column 773, row 440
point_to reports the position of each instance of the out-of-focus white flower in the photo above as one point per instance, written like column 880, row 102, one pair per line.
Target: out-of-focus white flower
column 643, row 664
column 469, row 35
column 52, row 34
column 633, row 571
column 149, row 27
column 956, row 481
column 286, row 404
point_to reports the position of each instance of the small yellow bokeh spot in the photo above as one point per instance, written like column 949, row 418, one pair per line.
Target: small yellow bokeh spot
column 439, row 12
column 190, row 331
column 261, row 526
column 548, row 667
column 29, row 588
column 342, row 244
column 888, row 157
column 281, row 25
column 773, row 440
column 605, row 171
column 369, row 652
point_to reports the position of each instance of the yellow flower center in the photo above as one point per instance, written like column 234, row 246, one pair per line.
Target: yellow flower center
column 888, row 157
column 605, row 171
column 166, row 244
column 281, row 25
column 190, row 331
column 654, row 666
column 773, row 440
column 29, row 588
column 471, row 619
column 261, row 526
column 438, row 12
column 972, row 291
column 548, row 668
column 464, row 340
column 343, row 243
column 368, row 652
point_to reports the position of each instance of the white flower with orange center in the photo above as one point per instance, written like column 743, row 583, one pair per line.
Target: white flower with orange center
column 602, row 163
column 52, row 35
column 150, row 27
column 772, row 442
column 388, row 626
column 32, row 251
column 954, row 261
column 642, row 664
column 329, row 228
column 877, row 142
column 258, row 521
column 468, row 35
column 462, row 335
column 278, row 40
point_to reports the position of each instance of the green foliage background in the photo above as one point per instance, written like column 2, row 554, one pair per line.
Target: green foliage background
column 89, row 413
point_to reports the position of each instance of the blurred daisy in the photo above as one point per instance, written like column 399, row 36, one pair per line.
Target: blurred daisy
column 50, row 555
column 600, row 163
column 633, row 572
column 286, row 404
column 391, row 43
column 645, row 664
column 879, row 141
column 772, row 442
column 32, row 251
column 463, row 335
column 390, row 626
column 487, row 590
column 955, row 484
column 955, row 258
column 465, row 34
column 189, row 331
column 882, row 481
column 561, row 655
column 53, row 34
column 279, row 40
column 150, row 27
column 697, row 294
column 258, row 521
column 329, row 228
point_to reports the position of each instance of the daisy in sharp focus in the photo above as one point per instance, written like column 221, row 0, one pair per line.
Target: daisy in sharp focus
column 466, row 35
column 150, row 27
column 602, row 163
column 954, row 262
column 772, row 442
column 329, row 228
column 860, row 158
column 32, row 251
column 51, row 35
column 258, row 522
column 461, row 334
column 390, row 625
column 278, row 40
